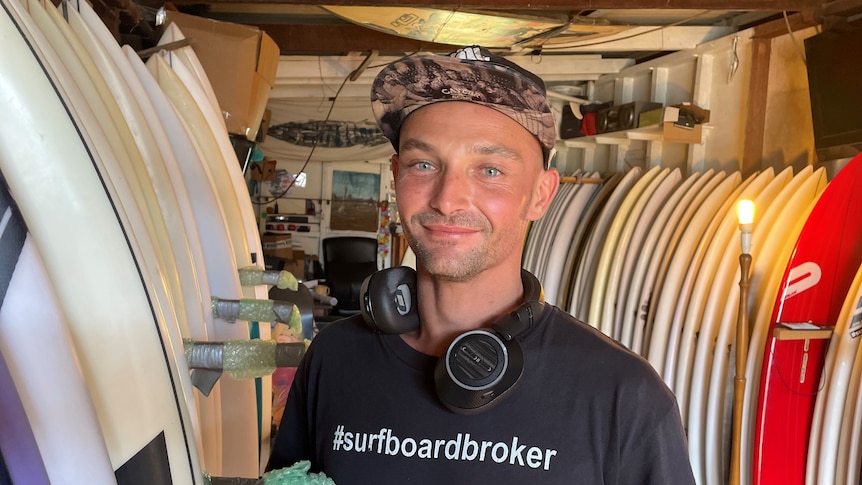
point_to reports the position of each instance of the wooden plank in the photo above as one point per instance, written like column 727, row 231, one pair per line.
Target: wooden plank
column 759, row 5
column 326, row 39
column 778, row 26
column 786, row 333
column 755, row 119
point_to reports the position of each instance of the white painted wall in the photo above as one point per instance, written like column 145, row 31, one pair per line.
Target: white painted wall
column 702, row 76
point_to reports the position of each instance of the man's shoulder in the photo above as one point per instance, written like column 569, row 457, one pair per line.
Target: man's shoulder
column 590, row 347
column 335, row 334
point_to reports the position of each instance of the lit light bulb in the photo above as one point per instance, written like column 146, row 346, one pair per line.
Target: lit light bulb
column 745, row 213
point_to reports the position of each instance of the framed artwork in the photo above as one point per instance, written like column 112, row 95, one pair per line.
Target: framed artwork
column 354, row 201
column 299, row 129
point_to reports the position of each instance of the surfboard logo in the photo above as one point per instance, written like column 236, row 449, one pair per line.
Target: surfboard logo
column 801, row 278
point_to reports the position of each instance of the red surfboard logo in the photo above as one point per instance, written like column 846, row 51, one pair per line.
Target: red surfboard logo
column 801, row 278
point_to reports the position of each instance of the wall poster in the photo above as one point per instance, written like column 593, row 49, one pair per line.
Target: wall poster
column 354, row 201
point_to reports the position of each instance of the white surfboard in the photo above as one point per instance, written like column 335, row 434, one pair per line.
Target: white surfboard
column 239, row 403
column 125, row 168
column 651, row 298
column 640, row 292
column 849, row 449
column 151, row 174
column 775, row 220
column 777, row 216
column 628, row 211
column 584, row 228
column 693, row 350
column 566, row 226
column 628, row 234
column 549, row 227
column 187, row 55
column 138, row 407
column 831, row 404
column 587, row 269
column 173, row 199
column 691, row 295
column 230, row 173
column 631, row 248
column 69, row 446
column 662, row 325
column 713, row 344
column 120, row 159
column 849, row 452
column 538, row 235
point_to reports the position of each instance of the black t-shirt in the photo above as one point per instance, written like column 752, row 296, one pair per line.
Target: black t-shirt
column 363, row 409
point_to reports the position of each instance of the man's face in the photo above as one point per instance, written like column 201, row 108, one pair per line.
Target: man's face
column 468, row 180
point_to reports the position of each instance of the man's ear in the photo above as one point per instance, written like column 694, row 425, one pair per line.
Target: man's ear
column 393, row 165
column 545, row 189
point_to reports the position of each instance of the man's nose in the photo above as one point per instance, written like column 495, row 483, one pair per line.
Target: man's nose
column 451, row 193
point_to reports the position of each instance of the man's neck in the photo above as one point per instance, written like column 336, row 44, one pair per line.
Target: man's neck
column 449, row 308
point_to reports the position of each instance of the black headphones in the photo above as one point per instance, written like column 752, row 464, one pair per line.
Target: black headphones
column 480, row 366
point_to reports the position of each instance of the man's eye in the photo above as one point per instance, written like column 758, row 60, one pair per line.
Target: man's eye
column 491, row 171
column 424, row 166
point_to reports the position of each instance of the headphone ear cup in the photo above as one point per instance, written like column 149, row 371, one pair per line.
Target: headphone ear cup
column 388, row 300
column 477, row 370
column 480, row 367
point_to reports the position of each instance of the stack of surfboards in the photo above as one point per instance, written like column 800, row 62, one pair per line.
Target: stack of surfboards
column 124, row 212
column 651, row 260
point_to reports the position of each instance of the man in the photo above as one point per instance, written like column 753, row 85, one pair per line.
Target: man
column 474, row 137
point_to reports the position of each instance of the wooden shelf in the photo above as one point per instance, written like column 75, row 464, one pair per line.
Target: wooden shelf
column 280, row 223
column 653, row 133
column 801, row 331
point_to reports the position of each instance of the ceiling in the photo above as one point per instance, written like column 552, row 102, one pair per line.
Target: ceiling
column 614, row 28
column 594, row 36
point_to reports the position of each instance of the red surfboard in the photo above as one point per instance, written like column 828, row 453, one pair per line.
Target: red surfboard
column 827, row 255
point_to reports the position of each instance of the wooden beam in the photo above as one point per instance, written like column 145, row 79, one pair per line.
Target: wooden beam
column 333, row 38
column 759, row 5
column 779, row 26
column 755, row 119
column 644, row 39
column 827, row 14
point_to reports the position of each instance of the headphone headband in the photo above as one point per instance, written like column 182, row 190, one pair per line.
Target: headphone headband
column 480, row 366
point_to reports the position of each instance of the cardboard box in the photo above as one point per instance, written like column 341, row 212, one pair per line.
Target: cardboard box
column 675, row 134
column 681, row 123
column 296, row 268
column 240, row 62
column 263, row 171
column 277, row 245
column 299, row 265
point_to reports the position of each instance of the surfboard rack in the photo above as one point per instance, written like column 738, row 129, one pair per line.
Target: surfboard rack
column 146, row 53
column 801, row 331
column 240, row 354
column 255, row 310
column 579, row 180
column 242, row 359
column 256, row 275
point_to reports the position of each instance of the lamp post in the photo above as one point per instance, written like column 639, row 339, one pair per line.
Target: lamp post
column 745, row 213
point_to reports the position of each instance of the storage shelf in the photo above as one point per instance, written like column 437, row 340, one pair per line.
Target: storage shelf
column 624, row 137
column 298, row 233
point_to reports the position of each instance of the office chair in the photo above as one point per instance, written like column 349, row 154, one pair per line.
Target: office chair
column 347, row 261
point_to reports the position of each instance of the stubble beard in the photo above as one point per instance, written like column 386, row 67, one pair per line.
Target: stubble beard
column 451, row 261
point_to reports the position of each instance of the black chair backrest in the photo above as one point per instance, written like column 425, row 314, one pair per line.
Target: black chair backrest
column 347, row 261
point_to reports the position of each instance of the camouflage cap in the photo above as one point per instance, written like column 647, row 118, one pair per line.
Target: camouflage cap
column 469, row 74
